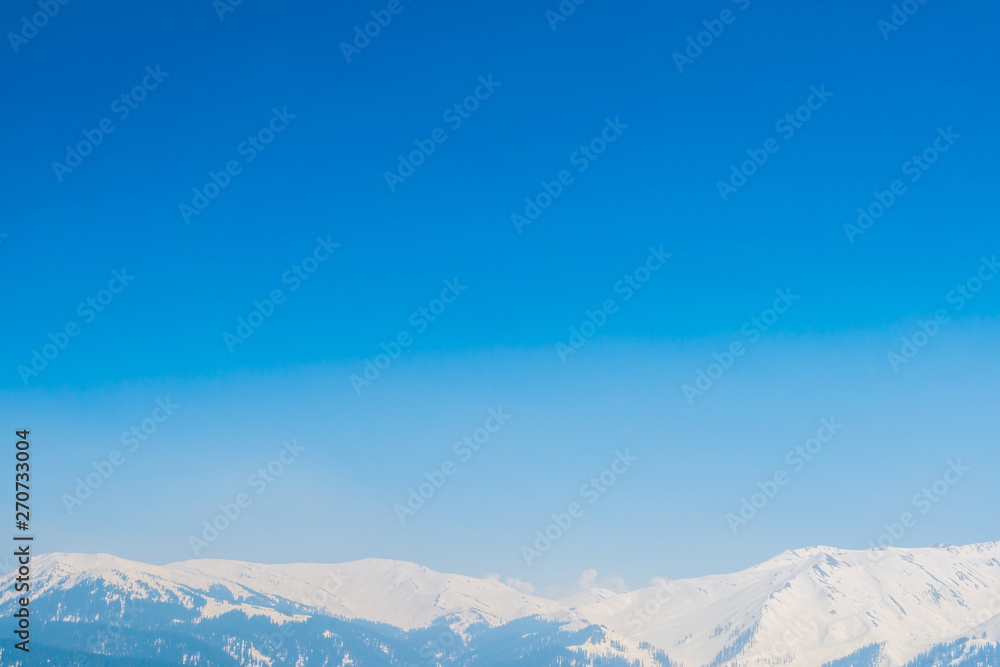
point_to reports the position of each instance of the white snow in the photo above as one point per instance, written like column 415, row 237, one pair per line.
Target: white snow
column 818, row 604
column 804, row 607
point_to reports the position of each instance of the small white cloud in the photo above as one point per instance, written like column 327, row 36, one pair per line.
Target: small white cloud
column 521, row 586
column 588, row 579
column 615, row 583
column 516, row 584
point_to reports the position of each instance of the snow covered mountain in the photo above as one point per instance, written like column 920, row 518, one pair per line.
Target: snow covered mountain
column 816, row 605
column 104, row 610
column 812, row 607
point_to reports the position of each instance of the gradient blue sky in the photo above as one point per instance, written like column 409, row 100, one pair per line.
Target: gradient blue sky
column 495, row 346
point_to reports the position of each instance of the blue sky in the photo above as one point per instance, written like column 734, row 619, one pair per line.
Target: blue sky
column 342, row 126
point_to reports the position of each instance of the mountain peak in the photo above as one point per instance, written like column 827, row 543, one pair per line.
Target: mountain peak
column 837, row 601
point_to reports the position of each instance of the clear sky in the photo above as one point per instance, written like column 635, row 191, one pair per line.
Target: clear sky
column 249, row 153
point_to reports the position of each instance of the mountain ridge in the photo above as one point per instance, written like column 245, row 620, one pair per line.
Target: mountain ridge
column 809, row 606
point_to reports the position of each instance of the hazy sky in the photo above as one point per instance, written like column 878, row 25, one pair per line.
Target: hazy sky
column 248, row 154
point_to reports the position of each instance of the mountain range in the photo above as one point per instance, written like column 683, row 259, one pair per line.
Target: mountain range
column 816, row 607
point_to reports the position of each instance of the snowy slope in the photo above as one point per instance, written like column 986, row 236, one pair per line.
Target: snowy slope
column 803, row 607
column 818, row 604
column 398, row 593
